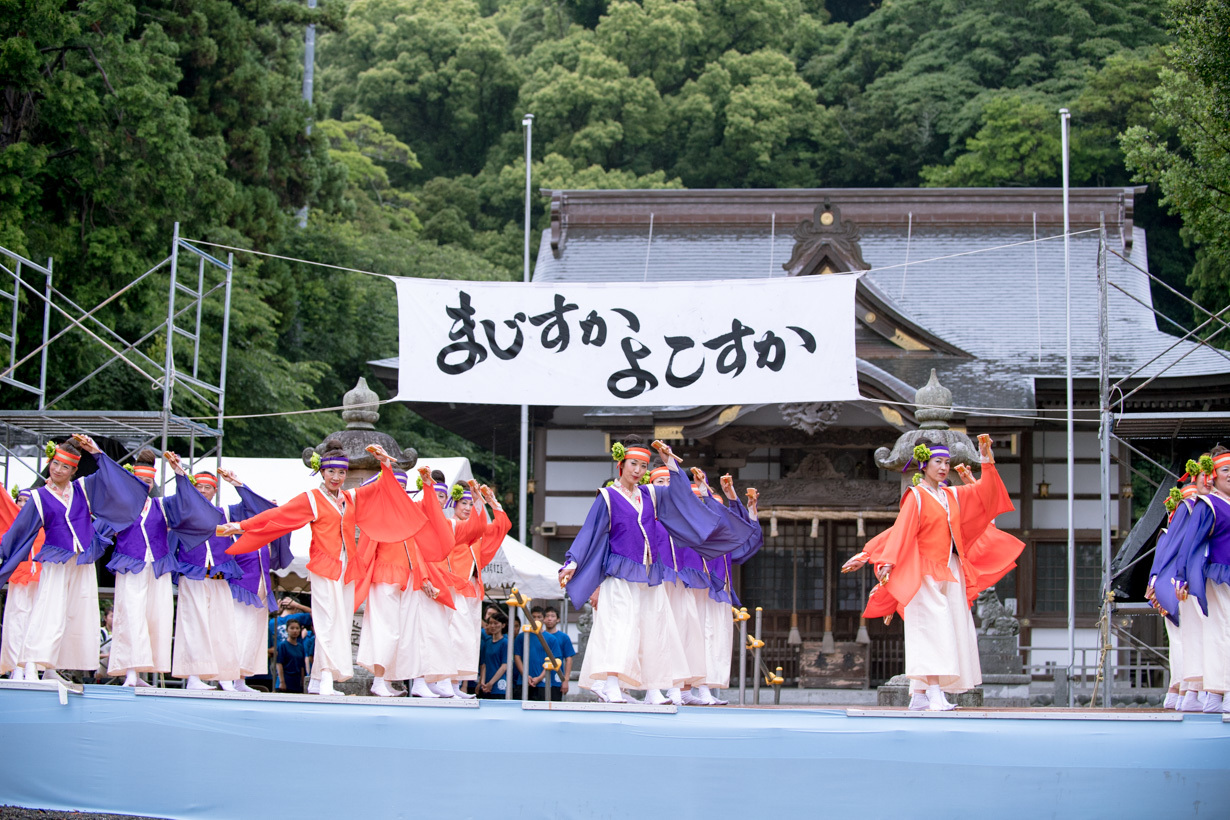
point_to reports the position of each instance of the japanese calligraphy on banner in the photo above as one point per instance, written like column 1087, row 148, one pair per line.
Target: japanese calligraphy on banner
column 752, row 341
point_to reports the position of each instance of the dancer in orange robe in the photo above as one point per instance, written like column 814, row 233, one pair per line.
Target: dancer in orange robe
column 400, row 584
column 476, row 540
column 380, row 509
column 23, row 584
column 939, row 554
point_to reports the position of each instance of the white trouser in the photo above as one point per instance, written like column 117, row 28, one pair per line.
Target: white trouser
column 719, row 641
column 381, row 634
column 17, row 608
column 430, row 646
column 205, row 642
column 634, row 637
column 465, row 636
column 1217, row 639
column 143, row 620
column 332, row 621
column 1192, row 624
column 252, row 635
column 940, row 639
column 689, row 623
column 63, row 632
column 1174, row 636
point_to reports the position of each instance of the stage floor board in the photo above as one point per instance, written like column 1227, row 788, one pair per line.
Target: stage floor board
column 183, row 755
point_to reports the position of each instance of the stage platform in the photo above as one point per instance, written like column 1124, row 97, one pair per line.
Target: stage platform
column 174, row 754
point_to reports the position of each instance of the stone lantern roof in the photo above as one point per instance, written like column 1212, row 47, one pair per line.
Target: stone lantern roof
column 361, row 415
column 934, row 408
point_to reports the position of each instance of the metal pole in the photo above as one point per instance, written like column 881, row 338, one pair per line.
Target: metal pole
column 508, row 671
column 309, row 70
column 42, row 367
column 743, row 662
column 525, row 661
column 756, row 659
column 226, row 336
column 168, row 362
column 1104, row 448
column 1064, row 116
column 524, row 456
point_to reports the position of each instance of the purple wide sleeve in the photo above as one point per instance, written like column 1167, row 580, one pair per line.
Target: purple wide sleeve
column 689, row 521
column 588, row 551
column 1163, row 570
column 753, row 543
column 17, row 542
column 279, row 548
column 117, row 497
column 1192, row 553
column 730, row 534
column 189, row 515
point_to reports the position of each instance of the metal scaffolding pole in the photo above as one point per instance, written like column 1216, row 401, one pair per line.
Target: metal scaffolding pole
column 1064, row 116
column 168, row 362
column 1104, row 457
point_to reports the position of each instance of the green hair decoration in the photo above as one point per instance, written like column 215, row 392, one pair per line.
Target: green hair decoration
column 922, row 453
column 609, row 482
column 644, row 478
column 1206, row 464
column 1176, row 495
column 15, row 492
column 314, row 462
column 130, row 468
column 418, row 483
column 917, row 478
column 457, row 492
column 1171, row 505
column 50, row 449
column 618, row 451
column 1192, row 467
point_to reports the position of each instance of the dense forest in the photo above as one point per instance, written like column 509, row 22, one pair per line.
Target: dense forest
column 120, row 118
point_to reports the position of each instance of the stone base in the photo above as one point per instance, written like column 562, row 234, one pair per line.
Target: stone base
column 1005, row 690
column 896, row 692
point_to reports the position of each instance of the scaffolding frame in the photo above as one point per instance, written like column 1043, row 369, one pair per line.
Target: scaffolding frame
column 144, row 427
column 1117, row 425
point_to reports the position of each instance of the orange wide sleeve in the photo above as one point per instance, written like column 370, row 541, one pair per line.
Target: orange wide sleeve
column 493, row 537
column 989, row 558
column 272, row 524
column 472, row 529
column 897, row 546
column 981, row 502
column 441, row 535
column 384, row 512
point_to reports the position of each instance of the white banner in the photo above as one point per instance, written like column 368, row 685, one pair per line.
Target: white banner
column 751, row 341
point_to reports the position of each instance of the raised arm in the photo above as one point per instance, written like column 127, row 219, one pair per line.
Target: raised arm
column 117, row 497
column 260, row 529
column 189, row 515
column 384, row 511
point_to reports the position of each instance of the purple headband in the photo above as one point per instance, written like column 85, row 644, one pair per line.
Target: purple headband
column 939, row 451
column 440, row 488
column 25, row 494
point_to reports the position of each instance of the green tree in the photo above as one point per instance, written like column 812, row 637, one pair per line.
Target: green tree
column 1188, row 154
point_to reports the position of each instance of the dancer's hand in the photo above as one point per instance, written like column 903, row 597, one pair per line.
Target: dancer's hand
column 231, row 528
column 857, row 561
column 381, row 456
column 728, row 487
column 593, row 599
column 984, row 449
column 566, row 572
column 430, row 590
column 967, row 475
column 229, row 477
column 176, row 464
column 883, row 571
column 667, row 455
column 86, row 443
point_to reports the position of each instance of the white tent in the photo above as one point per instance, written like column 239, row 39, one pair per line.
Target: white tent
column 532, row 573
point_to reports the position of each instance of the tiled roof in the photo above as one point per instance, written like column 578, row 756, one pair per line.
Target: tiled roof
column 1003, row 304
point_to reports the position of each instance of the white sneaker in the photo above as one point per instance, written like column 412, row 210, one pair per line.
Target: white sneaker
column 458, row 692
column 421, row 689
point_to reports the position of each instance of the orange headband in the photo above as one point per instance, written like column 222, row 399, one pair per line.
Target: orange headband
column 1189, row 491
column 65, row 457
column 144, row 471
column 1221, row 461
column 207, row 478
column 661, row 472
column 639, row 453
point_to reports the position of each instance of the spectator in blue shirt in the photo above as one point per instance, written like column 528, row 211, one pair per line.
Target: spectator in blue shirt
column 293, row 660
column 561, row 647
column 491, row 672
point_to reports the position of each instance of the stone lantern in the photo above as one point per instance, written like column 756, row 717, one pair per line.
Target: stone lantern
column 360, row 415
column 934, row 408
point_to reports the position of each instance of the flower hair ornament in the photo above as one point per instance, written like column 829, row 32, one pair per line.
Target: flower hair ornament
column 50, row 449
column 457, row 493
column 15, row 492
column 314, row 463
column 618, row 452
column 418, row 483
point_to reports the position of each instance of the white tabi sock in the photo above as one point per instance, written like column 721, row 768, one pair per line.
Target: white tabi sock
column 690, row 699
column 1213, row 703
column 227, row 685
column 1190, row 702
column 655, row 697
column 1172, row 701
column 675, row 696
column 936, row 702
column 195, row 682
column 240, row 686
column 381, row 689
column 458, row 692
column 613, row 693
column 31, row 671
column 420, row 689
column 918, row 702
column 17, row 674
column 326, row 683
column 130, row 678
column 705, row 695
column 443, row 689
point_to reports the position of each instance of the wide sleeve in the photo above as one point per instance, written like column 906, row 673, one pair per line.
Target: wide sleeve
column 252, row 503
column 898, row 546
column 754, row 543
column 731, row 534
column 688, row 520
column 493, row 538
column 19, row 539
column 116, row 496
column 472, row 529
column 264, row 527
column 1163, row 573
column 8, row 511
column 1191, row 558
column 436, row 539
column 385, row 512
column 588, row 551
column 981, row 502
column 189, row 515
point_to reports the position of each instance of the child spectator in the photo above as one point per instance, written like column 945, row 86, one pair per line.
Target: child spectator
column 293, row 660
column 561, row 648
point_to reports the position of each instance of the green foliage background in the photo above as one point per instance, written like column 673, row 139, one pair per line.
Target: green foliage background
column 120, row 118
